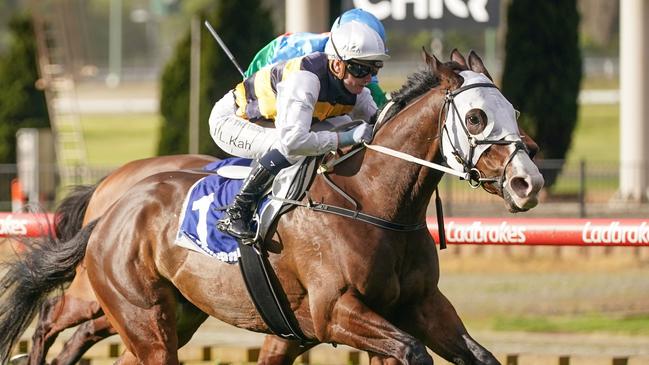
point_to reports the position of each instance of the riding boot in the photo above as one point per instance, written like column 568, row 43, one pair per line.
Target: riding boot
column 239, row 214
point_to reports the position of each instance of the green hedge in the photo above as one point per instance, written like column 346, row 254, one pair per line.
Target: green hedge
column 245, row 26
column 542, row 71
column 22, row 105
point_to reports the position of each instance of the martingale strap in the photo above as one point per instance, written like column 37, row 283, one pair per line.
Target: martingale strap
column 375, row 221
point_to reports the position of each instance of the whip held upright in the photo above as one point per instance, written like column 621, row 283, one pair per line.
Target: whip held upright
column 224, row 47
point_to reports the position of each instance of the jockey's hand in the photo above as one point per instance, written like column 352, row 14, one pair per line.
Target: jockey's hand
column 359, row 134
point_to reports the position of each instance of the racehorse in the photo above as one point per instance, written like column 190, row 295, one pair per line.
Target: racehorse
column 355, row 284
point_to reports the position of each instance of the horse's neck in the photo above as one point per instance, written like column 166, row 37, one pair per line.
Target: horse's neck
column 396, row 189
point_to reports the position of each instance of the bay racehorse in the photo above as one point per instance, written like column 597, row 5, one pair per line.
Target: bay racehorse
column 334, row 277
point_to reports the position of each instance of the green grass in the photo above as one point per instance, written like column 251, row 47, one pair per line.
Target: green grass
column 596, row 141
column 597, row 135
column 630, row 325
column 112, row 140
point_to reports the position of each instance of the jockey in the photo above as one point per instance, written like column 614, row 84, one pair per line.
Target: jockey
column 294, row 94
column 291, row 45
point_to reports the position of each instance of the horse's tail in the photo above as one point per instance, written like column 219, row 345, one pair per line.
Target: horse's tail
column 68, row 217
column 46, row 265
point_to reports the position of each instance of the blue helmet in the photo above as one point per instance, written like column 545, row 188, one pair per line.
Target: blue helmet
column 361, row 16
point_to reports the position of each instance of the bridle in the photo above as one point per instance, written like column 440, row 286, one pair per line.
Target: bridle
column 473, row 175
column 470, row 173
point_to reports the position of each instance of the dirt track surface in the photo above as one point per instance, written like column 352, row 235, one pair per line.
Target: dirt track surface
column 215, row 332
column 485, row 282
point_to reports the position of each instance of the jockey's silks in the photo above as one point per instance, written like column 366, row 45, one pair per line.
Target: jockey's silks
column 287, row 46
column 256, row 95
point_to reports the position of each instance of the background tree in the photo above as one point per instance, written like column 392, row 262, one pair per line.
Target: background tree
column 245, row 26
column 21, row 104
column 542, row 72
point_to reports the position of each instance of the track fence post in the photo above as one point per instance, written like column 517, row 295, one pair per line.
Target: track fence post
column 512, row 359
column 23, row 347
column 620, row 361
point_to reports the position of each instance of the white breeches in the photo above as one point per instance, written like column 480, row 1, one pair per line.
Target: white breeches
column 242, row 138
column 236, row 135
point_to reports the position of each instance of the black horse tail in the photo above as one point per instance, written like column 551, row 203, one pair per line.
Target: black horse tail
column 68, row 217
column 47, row 264
column 28, row 280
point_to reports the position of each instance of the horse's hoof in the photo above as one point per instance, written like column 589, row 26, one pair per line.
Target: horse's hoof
column 18, row 360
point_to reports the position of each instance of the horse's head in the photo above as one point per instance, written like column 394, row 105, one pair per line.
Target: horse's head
column 480, row 133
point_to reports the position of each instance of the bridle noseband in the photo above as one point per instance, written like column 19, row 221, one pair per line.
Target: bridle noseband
column 475, row 178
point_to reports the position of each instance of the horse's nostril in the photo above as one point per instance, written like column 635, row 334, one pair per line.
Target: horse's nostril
column 520, row 186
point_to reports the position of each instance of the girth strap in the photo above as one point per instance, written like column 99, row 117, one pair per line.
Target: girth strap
column 267, row 293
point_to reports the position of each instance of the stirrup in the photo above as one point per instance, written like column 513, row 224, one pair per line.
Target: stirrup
column 223, row 224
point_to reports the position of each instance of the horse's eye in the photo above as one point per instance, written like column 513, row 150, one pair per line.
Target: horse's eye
column 473, row 120
column 476, row 120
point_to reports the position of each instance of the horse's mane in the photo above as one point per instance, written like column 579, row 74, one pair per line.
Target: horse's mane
column 416, row 85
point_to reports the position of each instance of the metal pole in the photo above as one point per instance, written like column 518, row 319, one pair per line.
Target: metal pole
column 490, row 40
column 582, row 189
column 194, row 84
column 307, row 16
column 115, row 44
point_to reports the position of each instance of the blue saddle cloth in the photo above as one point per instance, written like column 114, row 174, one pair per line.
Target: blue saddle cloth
column 205, row 205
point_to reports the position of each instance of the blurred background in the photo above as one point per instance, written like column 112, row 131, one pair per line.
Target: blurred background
column 110, row 78
column 88, row 85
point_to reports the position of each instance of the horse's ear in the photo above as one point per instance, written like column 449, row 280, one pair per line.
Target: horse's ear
column 457, row 57
column 476, row 64
column 425, row 56
column 430, row 60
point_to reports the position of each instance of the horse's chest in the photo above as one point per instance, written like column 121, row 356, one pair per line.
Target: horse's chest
column 379, row 286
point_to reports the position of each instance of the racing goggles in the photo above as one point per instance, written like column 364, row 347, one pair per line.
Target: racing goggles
column 360, row 70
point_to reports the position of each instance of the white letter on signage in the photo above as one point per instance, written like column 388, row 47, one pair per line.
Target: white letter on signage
column 478, row 10
column 399, row 9
column 436, row 8
column 380, row 10
column 457, row 8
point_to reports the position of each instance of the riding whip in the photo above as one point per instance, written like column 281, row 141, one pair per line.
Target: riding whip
column 224, row 47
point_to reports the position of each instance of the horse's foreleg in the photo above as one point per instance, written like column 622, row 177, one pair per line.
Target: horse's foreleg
column 56, row 315
column 354, row 324
column 279, row 351
column 437, row 323
column 83, row 339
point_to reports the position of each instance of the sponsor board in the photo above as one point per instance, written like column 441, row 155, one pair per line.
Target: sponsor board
column 485, row 231
column 24, row 224
column 544, row 231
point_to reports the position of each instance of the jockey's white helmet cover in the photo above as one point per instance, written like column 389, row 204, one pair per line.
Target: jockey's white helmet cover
column 355, row 40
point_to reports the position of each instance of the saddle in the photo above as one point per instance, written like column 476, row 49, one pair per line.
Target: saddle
column 207, row 199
